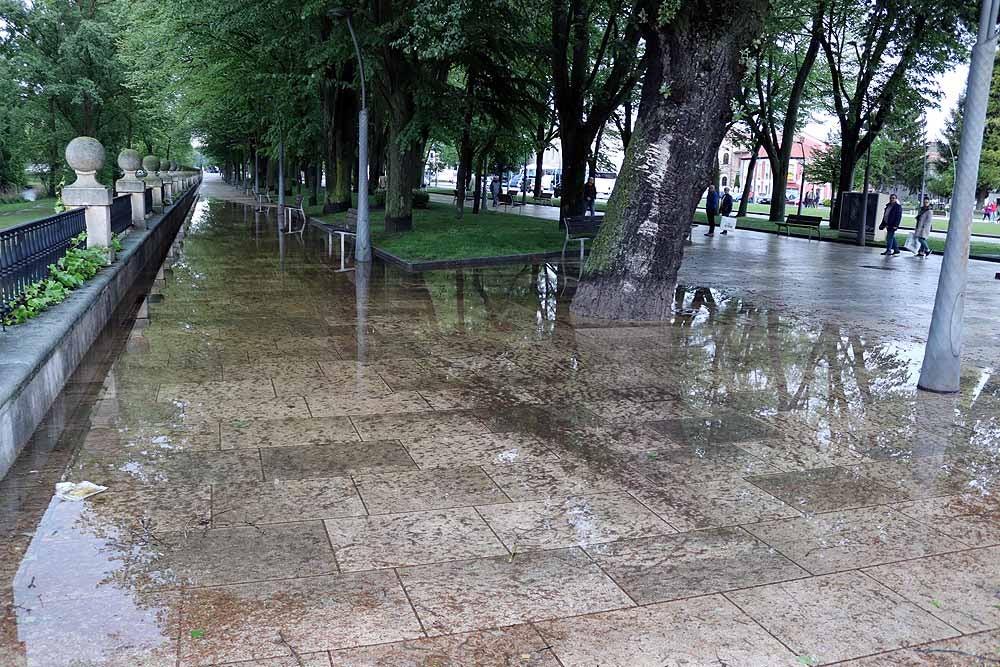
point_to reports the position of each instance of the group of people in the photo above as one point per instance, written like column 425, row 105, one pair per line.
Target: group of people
column 811, row 200
column 990, row 210
column 716, row 206
column 892, row 217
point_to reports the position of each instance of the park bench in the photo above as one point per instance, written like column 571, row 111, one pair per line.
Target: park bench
column 348, row 229
column 810, row 223
column 293, row 212
column 580, row 228
column 544, row 199
column 507, row 201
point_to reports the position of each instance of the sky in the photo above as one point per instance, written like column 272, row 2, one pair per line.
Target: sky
column 951, row 84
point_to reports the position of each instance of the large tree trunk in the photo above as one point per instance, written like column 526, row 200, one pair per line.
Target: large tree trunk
column 748, row 183
column 694, row 70
column 779, row 183
column 345, row 142
column 405, row 158
column 539, row 157
column 574, row 161
column 465, row 147
column 845, row 181
column 376, row 155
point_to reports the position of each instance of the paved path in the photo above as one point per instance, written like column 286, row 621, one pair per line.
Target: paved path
column 308, row 467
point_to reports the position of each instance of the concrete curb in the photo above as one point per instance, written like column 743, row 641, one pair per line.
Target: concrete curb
column 39, row 356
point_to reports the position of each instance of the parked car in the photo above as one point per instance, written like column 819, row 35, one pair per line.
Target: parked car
column 604, row 181
column 763, row 200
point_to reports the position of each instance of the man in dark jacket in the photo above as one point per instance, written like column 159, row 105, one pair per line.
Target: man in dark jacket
column 891, row 218
column 726, row 207
column 711, row 209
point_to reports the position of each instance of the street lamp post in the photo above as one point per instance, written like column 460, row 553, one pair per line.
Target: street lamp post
column 941, row 369
column 363, row 246
column 802, row 179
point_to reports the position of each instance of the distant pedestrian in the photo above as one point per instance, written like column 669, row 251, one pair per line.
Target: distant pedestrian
column 996, row 210
column 891, row 217
column 809, row 200
column 495, row 191
column 590, row 195
column 988, row 211
column 711, row 209
column 726, row 207
column 923, row 230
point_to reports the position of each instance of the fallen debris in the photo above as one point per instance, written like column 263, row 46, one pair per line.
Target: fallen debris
column 74, row 491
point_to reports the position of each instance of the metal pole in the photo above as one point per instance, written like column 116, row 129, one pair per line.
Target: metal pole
column 281, row 175
column 802, row 180
column 942, row 356
column 363, row 246
column 256, row 170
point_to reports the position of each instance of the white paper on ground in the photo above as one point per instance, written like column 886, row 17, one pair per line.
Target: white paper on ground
column 77, row 490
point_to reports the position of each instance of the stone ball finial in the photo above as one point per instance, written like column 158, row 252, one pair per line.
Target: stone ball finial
column 129, row 160
column 151, row 164
column 85, row 155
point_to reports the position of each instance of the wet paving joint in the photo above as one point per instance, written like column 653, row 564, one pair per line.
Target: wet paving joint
column 315, row 468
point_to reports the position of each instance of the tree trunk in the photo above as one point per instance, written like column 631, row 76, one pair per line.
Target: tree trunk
column 748, row 183
column 779, row 183
column 574, row 159
column 626, row 128
column 404, row 160
column 477, row 188
column 694, row 71
column 845, row 180
column 376, row 156
column 465, row 147
column 594, row 154
column 345, row 142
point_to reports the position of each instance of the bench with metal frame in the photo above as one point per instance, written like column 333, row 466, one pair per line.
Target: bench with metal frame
column 293, row 212
column 810, row 223
column 343, row 231
column 507, row 200
column 580, row 228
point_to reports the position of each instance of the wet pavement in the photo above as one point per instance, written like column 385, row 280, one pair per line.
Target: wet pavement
column 309, row 467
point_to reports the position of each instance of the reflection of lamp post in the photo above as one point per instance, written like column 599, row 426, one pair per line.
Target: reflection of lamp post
column 363, row 247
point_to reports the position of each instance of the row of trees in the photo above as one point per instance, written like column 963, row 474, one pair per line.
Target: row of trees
column 64, row 72
column 497, row 81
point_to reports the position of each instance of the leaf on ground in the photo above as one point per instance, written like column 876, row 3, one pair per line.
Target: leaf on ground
column 240, row 423
column 807, row 660
column 936, row 603
column 197, row 634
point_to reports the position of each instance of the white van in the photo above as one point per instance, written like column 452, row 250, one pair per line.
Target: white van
column 604, row 181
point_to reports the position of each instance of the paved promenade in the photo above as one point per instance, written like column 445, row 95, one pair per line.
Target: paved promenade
column 324, row 469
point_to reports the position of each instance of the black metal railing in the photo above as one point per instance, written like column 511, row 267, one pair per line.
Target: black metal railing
column 148, row 199
column 26, row 250
column 121, row 214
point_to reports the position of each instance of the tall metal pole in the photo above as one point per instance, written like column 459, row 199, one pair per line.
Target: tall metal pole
column 802, row 180
column 942, row 356
column 363, row 246
column 256, row 170
column 281, row 173
column 863, row 229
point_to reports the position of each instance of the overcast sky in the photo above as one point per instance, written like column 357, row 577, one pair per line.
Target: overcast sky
column 951, row 83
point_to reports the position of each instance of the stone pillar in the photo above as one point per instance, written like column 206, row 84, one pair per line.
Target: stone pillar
column 129, row 162
column 150, row 165
column 85, row 156
column 168, row 181
column 178, row 180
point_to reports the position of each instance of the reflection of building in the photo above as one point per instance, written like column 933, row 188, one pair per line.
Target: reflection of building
column 762, row 181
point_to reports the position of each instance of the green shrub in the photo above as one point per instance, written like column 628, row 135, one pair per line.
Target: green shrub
column 73, row 269
column 421, row 199
column 826, row 202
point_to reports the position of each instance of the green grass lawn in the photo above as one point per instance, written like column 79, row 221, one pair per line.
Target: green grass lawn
column 19, row 212
column 437, row 235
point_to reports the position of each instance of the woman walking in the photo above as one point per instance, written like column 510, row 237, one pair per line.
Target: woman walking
column 923, row 230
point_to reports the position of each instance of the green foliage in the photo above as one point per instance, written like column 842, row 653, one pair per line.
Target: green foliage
column 73, row 269
column 421, row 199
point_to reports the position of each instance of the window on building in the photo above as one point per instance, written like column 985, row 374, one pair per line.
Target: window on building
column 725, row 158
column 725, row 182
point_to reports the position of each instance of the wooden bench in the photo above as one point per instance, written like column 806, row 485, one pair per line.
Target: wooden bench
column 580, row 228
column 545, row 199
column 810, row 223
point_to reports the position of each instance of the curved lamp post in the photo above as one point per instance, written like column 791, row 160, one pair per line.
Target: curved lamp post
column 363, row 246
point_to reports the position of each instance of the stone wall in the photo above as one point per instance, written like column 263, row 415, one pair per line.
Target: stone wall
column 38, row 357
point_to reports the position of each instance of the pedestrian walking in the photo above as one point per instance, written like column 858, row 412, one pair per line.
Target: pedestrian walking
column 891, row 217
column 923, row 230
column 988, row 211
column 495, row 191
column 590, row 195
column 711, row 209
column 726, row 207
